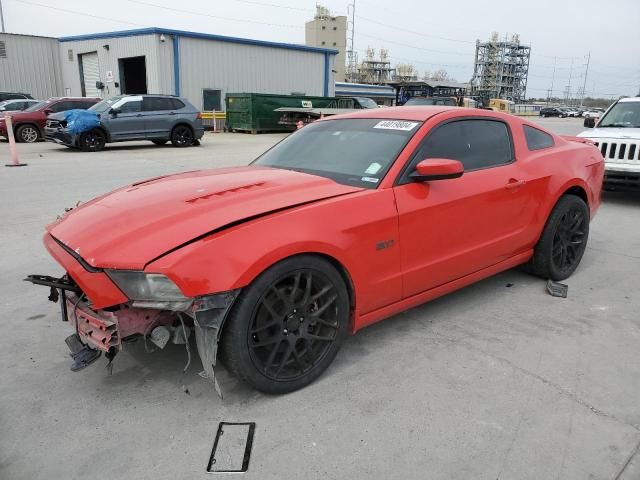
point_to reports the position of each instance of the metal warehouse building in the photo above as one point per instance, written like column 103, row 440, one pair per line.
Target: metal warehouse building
column 198, row 66
column 30, row 64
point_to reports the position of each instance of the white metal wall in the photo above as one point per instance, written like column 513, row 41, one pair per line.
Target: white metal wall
column 32, row 65
column 159, row 61
column 233, row 68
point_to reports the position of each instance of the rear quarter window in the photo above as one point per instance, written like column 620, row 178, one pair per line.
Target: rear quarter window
column 176, row 104
column 537, row 139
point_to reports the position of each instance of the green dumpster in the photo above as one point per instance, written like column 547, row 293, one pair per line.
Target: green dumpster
column 254, row 112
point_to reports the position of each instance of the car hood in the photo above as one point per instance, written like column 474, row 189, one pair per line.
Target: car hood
column 20, row 115
column 56, row 116
column 630, row 133
column 136, row 224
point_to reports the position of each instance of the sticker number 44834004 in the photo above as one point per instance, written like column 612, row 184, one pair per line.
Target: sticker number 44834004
column 396, row 125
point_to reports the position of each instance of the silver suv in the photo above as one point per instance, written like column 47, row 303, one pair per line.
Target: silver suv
column 159, row 118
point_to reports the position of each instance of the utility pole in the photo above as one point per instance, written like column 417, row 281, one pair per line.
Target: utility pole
column 568, row 91
column 553, row 77
column 586, row 72
column 352, row 53
column 1, row 19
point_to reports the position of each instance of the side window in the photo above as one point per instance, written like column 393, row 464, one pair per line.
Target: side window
column 130, row 107
column 537, row 139
column 61, row 107
column 86, row 105
column 176, row 104
column 155, row 104
column 476, row 143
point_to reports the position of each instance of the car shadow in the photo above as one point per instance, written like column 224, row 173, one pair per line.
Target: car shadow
column 112, row 147
column 166, row 366
column 621, row 197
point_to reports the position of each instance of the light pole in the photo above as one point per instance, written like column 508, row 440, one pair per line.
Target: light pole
column 1, row 19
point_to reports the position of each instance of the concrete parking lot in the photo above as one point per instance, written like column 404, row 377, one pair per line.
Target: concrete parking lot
column 498, row 380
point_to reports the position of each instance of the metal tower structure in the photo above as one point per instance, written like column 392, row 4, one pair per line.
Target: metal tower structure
column 375, row 71
column 501, row 69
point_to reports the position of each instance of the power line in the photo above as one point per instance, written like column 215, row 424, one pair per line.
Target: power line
column 218, row 17
column 413, row 46
column 84, row 14
column 426, row 35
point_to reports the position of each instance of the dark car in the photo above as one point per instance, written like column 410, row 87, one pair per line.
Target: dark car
column 553, row 112
column 158, row 118
column 447, row 101
column 17, row 105
column 14, row 95
column 28, row 125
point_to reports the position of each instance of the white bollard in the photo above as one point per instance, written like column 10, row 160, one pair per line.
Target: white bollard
column 13, row 150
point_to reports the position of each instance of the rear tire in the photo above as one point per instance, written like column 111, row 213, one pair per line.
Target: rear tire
column 92, row 141
column 27, row 134
column 182, row 136
column 287, row 326
column 563, row 241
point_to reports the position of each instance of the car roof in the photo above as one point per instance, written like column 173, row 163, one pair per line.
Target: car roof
column 629, row 99
column 52, row 99
column 148, row 95
column 417, row 113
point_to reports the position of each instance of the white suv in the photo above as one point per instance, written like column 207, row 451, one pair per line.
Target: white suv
column 617, row 135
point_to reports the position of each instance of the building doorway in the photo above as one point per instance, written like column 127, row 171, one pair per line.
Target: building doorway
column 89, row 74
column 133, row 75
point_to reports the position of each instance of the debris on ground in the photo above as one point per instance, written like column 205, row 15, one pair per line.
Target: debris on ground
column 557, row 289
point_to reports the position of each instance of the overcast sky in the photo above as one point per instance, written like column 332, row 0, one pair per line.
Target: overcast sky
column 431, row 35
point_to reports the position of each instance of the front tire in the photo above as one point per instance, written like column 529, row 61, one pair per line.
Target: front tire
column 182, row 136
column 92, row 141
column 27, row 134
column 287, row 326
column 564, row 240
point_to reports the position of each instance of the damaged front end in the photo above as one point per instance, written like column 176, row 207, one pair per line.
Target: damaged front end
column 156, row 311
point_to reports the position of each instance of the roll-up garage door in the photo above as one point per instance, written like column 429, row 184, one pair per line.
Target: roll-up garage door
column 90, row 74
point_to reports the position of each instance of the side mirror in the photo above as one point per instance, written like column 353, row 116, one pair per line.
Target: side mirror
column 589, row 122
column 437, row 169
column 48, row 111
column 114, row 112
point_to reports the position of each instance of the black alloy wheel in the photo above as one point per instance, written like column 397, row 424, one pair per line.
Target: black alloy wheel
column 294, row 325
column 182, row 136
column 92, row 141
column 287, row 326
column 563, row 241
column 569, row 240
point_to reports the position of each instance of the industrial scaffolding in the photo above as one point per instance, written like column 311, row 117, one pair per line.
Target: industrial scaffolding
column 501, row 69
column 375, row 71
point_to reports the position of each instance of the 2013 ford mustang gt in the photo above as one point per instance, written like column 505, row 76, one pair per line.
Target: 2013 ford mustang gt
column 342, row 224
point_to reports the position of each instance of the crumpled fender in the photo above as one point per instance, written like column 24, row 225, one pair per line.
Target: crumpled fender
column 209, row 317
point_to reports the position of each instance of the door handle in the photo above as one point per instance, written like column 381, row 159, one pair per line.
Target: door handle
column 139, row 115
column 513, row 184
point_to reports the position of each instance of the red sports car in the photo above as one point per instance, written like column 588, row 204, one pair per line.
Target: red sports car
column 342, row 224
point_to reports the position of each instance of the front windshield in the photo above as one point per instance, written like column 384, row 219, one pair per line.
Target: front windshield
column 421, row 101
column 104, row 105
column 36, row 107
column 366, row 102
column 623, row 115
column 355, row 151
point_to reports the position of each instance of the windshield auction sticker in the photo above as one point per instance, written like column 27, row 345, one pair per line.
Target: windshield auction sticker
column 396, row 125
